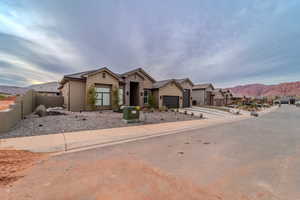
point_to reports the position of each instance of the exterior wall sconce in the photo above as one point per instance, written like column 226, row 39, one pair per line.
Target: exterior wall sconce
column 127, row 93
column 160, row 97
column 141, row 94
column 180, row 97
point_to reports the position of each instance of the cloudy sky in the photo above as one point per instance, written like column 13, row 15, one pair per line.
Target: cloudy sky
column 221, row 41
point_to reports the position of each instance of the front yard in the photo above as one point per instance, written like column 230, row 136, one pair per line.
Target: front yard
column 75, row 121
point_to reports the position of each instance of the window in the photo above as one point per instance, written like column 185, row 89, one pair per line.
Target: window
column 121, row 96
column 103, row 75
column 102, row 96
column 146, row 96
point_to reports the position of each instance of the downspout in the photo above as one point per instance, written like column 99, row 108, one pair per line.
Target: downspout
column 69, row 99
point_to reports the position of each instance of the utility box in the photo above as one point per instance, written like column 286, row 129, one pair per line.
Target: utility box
column 131, row 114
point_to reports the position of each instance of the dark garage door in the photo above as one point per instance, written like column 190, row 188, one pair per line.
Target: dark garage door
column 171, row 101
column 186, row 98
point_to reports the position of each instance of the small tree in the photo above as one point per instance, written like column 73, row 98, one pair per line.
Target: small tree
column 151, row 101
column 92, row 96
column 115, row 99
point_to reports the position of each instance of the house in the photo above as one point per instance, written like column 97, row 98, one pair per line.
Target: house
column 228, row 96
column 202, row 94
column 47, row 89
column 134, row 89
column 219, row 97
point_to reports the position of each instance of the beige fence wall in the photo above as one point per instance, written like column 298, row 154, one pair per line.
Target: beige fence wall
column 9, row 119
column 25, row 105
column 49, row 101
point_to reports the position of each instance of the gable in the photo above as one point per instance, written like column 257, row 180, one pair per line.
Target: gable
column 186, row 84
column 103, row 73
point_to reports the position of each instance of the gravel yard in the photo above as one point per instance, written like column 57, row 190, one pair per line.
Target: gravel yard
column 75, row 121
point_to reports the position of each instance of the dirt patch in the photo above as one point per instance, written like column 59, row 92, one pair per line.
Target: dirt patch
column 13, row 163
column 113, row 179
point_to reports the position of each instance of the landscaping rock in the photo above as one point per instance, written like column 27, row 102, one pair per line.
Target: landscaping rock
column 41, row 111
column 254, row 114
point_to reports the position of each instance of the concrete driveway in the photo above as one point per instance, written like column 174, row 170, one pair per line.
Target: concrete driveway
column 256, row 158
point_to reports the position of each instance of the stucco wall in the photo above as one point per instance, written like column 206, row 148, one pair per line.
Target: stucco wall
column 198, row 96
column 49, row 101
column 77, row 95
column 24, row 105
column 65, row 94
column 170, row 90
column 97, row 79
column 11, row 117
column 144, row 83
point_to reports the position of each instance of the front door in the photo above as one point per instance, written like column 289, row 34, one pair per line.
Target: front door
column 186, row 98
column 134, row 93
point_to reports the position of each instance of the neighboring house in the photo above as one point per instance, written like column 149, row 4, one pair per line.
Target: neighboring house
column 219, row 98
column 134, row 89
column 228, row 96
column 202, row 94
column 47, row 89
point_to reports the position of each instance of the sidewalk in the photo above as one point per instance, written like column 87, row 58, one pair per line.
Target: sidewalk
column 88, row 139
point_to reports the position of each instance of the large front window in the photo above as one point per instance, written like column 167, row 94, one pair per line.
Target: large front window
column 102, row 96
column 146, row 96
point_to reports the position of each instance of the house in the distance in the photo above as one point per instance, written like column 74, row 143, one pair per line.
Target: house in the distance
column 219, row 97
column 202, row 94
column 47, row 89
column 134, row 89
column 227, row 96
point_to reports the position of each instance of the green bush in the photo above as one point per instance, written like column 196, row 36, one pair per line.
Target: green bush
column 151, row 101
column 92, row 97
column 2, row 97
column 115, row 99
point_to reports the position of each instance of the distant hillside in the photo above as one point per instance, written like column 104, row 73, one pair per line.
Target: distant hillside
column 255, row 90
column 45, row 87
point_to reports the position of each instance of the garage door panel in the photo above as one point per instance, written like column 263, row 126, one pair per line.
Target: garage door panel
column 171, row 101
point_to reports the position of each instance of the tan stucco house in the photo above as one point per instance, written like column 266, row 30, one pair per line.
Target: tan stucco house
column 202, row 94
column 134, row 89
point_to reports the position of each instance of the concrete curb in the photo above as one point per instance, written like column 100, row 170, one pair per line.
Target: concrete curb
column 76, row 141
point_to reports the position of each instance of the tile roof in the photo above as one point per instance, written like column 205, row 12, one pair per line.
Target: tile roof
column 202, row 86
column 79, row 75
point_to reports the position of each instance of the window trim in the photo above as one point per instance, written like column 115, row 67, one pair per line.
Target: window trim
column 100, row 96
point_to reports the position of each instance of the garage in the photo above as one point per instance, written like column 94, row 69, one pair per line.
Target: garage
column 171, row 101
column 186, row 98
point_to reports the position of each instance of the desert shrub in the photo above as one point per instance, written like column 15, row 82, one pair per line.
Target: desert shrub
column 151, row 101
column 115, row 99
column 91, row 97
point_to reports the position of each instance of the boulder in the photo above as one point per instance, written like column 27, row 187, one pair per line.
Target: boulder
column 41, row 111
column 254, row 113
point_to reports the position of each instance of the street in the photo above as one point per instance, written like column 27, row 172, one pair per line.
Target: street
column 257, row 158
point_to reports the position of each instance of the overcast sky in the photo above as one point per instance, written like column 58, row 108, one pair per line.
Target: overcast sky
column 227, row 42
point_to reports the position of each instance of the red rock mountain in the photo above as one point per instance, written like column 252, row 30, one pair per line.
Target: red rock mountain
column 255, row 90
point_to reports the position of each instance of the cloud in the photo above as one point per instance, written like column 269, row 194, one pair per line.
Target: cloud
column 224, row 42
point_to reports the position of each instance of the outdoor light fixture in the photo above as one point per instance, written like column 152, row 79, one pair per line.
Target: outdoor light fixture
column 141, row 94
column 127, row 93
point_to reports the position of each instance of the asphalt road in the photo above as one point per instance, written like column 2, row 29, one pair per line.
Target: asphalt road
column 258, row 158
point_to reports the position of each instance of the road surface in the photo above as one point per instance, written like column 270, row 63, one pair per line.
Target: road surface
column 258, row 158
